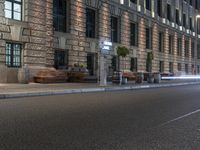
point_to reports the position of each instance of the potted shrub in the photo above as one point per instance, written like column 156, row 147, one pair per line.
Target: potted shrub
column 123, row 52
column 150, row 77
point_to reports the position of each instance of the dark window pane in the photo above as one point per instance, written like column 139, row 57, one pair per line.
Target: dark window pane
column 90, row 23
column 114, row 29
column 13, row 55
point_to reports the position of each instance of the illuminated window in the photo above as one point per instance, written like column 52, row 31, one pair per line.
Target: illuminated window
column 13, row 55
column 59, row 15
column 90, row 23
column 13, row 9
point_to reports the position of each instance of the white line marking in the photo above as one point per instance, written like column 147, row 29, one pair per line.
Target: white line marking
column 181, row 117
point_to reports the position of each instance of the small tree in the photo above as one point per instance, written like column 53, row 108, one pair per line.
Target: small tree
column 123, row 52
column 149, row 61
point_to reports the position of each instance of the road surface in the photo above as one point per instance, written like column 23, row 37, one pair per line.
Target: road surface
column 153, row 119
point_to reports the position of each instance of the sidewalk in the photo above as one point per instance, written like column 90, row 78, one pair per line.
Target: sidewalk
column 34, row 89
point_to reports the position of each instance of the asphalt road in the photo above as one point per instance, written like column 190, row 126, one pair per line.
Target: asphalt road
column 155, row 119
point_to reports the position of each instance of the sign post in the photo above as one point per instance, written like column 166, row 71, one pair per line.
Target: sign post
column 105, row 47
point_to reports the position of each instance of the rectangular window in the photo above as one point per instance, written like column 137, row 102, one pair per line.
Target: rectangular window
column 115, row 63
column 186, row 48
column 148, row 38
column 179, row 67
column 148, row 4
column 90, row 23
column 191, row 24
column 171, row 44
column 198, row 51
column 159, row 8
column 177, row 17
column 169, row 12
column 133, row 64
column 191, row 3
column 134, row 1
column 13, row 9
column 161, row 66
column 171, row 70
column 196, row 4
column 179, row 46
column 192, row 49
column 60, row 15
column 133, row 34
column 184, row 20
column 13, row 55
column 198, row 69
column 161, row 42
column 114, row 29
column 61, row 59
column 186, row 69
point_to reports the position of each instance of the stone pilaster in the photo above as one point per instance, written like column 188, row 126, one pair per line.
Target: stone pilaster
column 35, row 50
column 175, row 65
column 125, row 38
column 3, row 28
column 104, row 21
column 166, row 51
column 142, row 41
column 190, row 57
column 155, row 34
column 183, row 54
column 77, row 30
column 49, row 33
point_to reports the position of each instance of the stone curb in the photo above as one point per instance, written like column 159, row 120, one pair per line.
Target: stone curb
column 90, row 90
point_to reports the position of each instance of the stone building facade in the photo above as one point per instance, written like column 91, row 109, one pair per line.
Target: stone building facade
column 60, row 33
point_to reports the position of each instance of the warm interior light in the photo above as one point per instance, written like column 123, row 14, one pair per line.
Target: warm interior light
column 198, row 16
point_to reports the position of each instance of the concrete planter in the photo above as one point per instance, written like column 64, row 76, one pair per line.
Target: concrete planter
column 157, row 77
column 124, row 80
column 150, row 78
column 140, row 77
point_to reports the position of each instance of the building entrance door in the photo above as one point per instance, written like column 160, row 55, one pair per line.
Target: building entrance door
column 91, row 63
